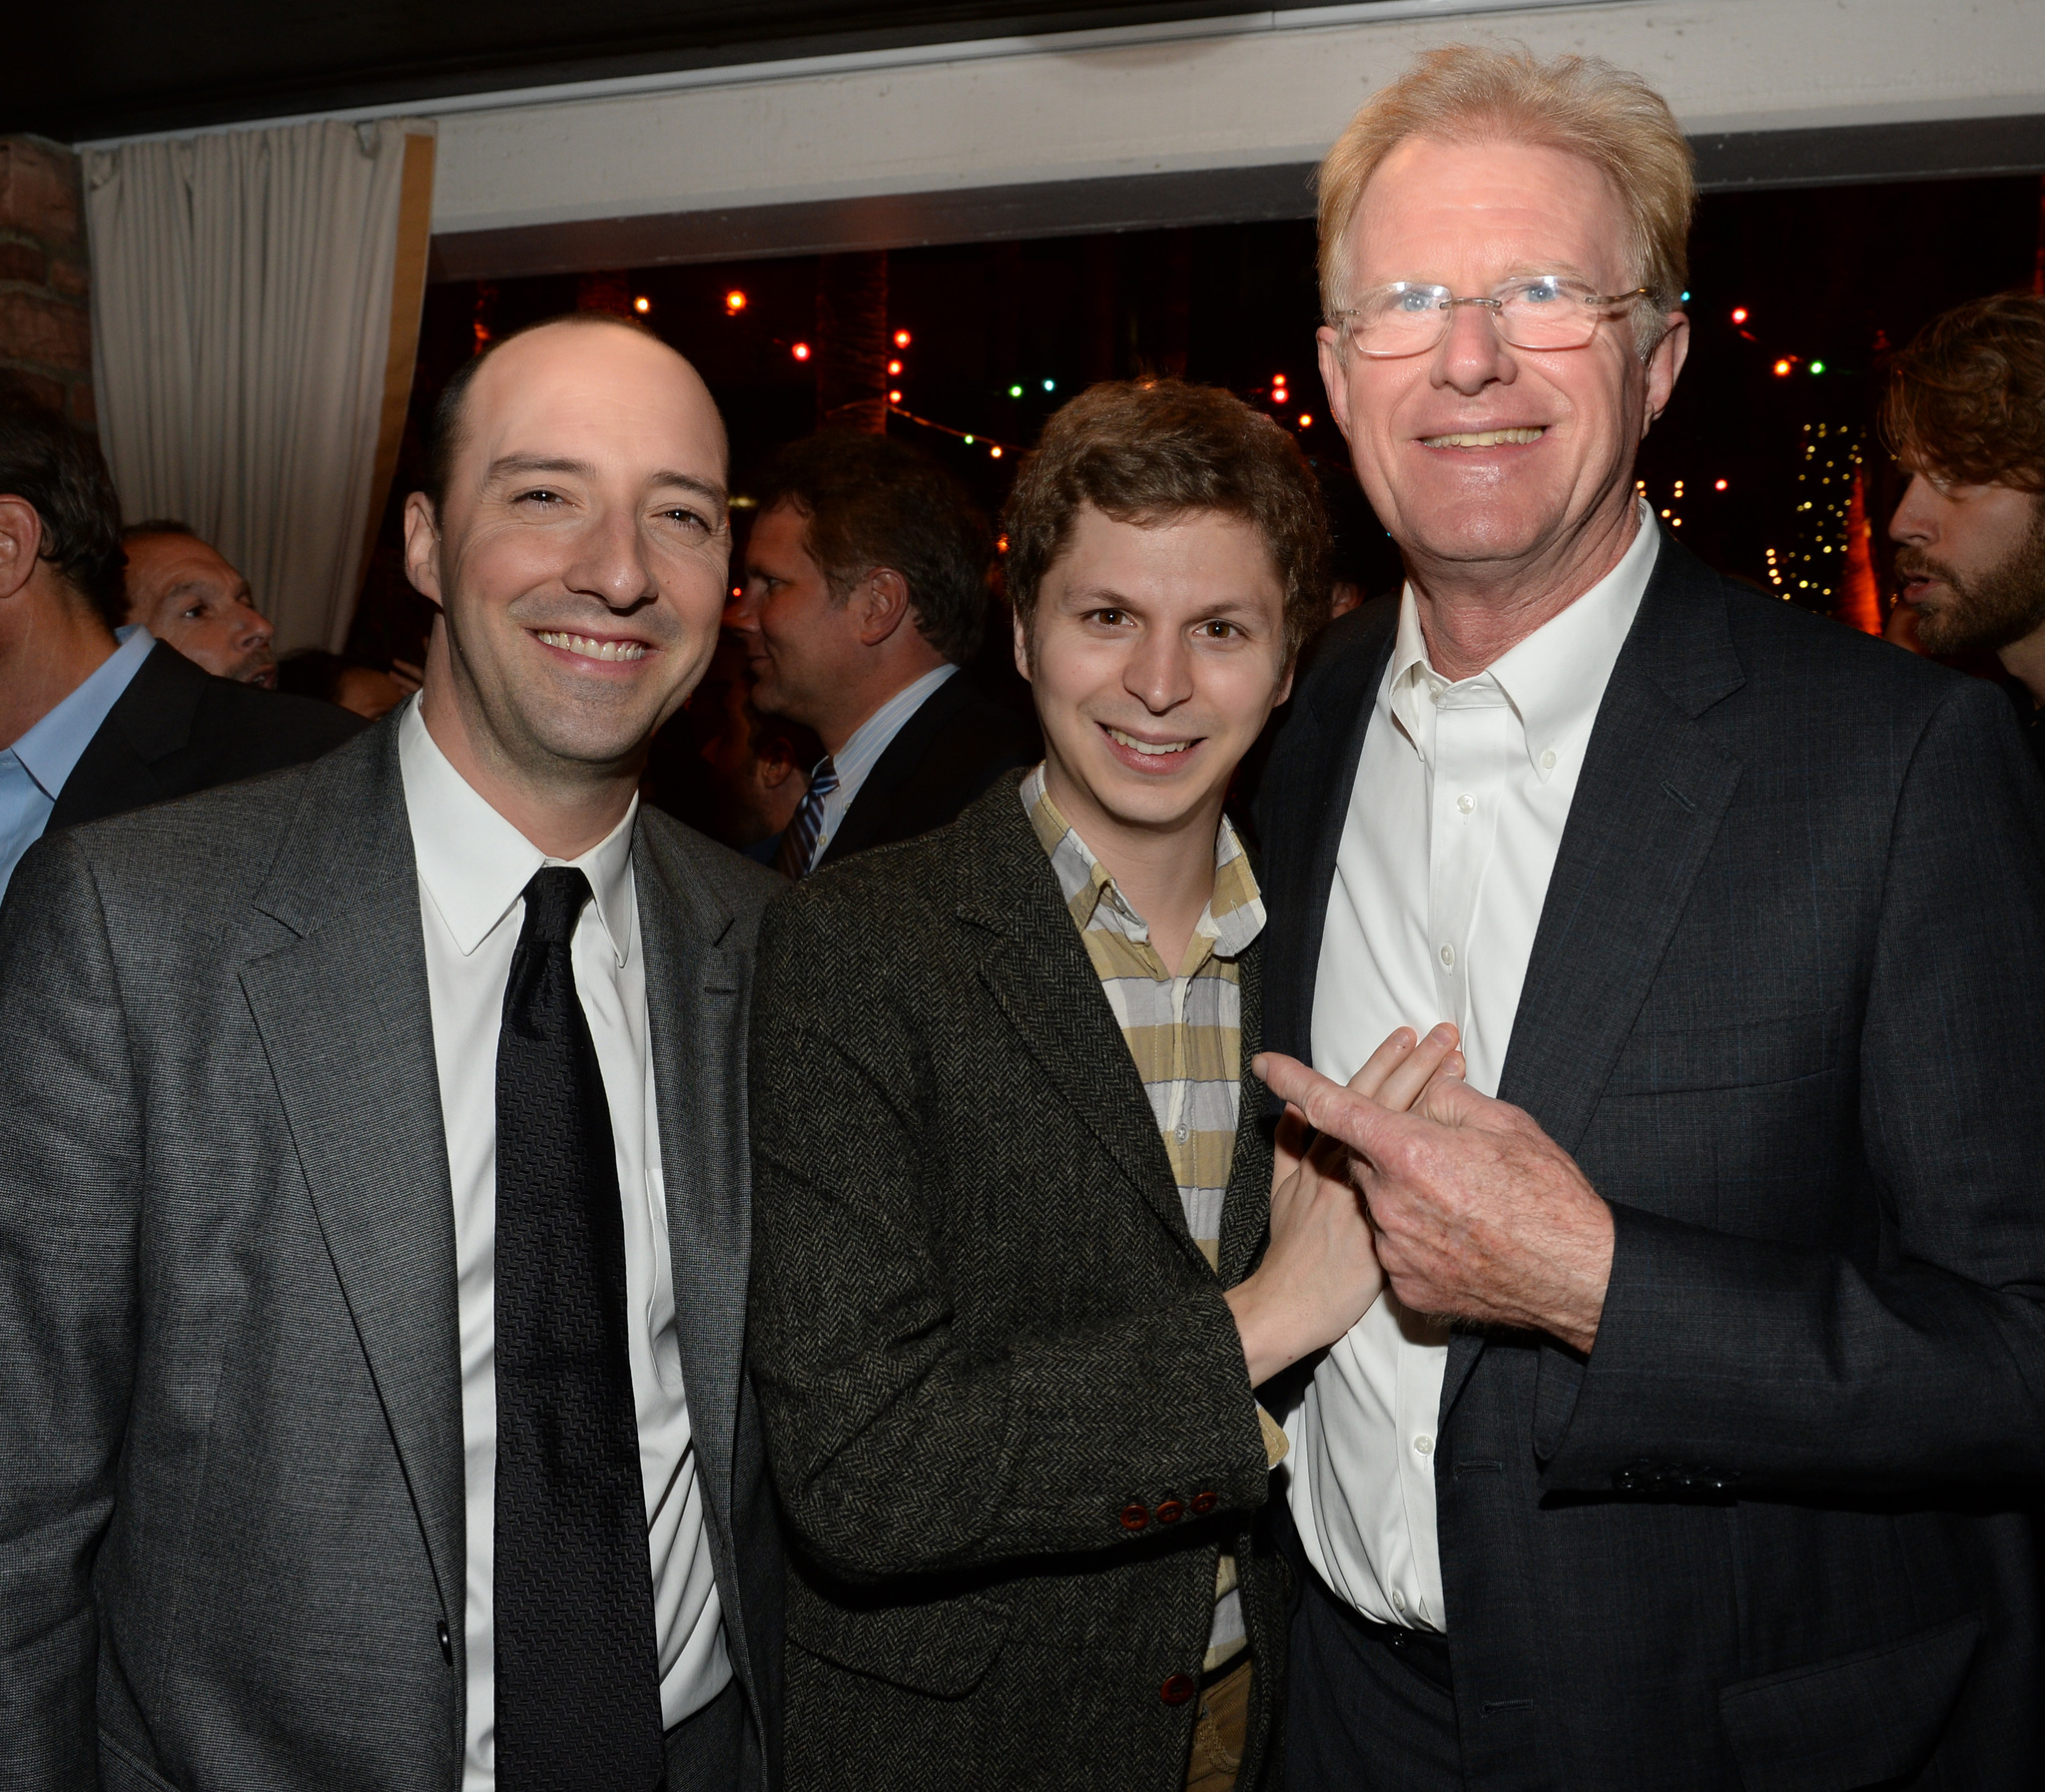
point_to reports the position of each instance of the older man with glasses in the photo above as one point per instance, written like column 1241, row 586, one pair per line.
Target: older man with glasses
column 1689, row 1447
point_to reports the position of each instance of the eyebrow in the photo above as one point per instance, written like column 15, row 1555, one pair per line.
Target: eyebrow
column 512, row 465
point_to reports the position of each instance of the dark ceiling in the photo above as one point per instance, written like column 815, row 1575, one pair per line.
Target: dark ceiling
column 106, row 68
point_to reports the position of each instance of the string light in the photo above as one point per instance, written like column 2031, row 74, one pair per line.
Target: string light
column 1740, row 314
column 1784, row 367
column 901, row 339
column 995, row 450
column 734, row 301
column 801, row 351
column 893, row 398
column 1721, row 487
column 642, row 304
column 965, row 436
column 1015, row 391
column 1817, row 366
column 893, row 370
column 1306, row 419
column 1050, row 385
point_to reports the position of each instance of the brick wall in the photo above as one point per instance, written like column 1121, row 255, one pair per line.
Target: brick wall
column 45, row 316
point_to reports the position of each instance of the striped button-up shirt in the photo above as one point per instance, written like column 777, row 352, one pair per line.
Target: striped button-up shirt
column 1184, row 1029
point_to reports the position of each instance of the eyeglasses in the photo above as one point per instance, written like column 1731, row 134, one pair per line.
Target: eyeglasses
column 1535, row 311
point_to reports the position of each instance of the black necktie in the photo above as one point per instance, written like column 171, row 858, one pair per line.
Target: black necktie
column 577, row 1673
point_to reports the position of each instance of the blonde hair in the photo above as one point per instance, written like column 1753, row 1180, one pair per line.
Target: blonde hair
column 1578, row 104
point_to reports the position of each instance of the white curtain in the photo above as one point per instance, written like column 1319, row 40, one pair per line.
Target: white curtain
column 241, row 321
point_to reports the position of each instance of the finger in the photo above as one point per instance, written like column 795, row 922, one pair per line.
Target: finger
column 1290, row 1145
column 1450, row 1102
column 1383, row 1061
column 1354, row 1119
column 1454, row 1068
column 1403, row 1084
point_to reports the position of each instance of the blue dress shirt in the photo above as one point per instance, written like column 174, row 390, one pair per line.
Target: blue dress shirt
column 33, row 770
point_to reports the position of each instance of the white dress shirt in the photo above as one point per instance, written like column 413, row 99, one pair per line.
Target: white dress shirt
column 473, row 867
column 870, row 740
column 1461, row 796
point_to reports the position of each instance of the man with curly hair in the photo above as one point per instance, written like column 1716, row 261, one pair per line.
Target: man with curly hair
column 1965, row 413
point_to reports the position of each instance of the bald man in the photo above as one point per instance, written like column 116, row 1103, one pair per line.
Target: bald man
column 374, row 1205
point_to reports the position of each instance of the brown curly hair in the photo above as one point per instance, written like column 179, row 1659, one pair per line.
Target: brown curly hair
column 1146, row 451
column 1966, row 400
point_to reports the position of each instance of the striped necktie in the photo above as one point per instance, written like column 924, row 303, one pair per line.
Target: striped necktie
column 798, row 842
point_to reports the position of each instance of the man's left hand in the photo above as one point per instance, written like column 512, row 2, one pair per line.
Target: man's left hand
column 1480, row 1215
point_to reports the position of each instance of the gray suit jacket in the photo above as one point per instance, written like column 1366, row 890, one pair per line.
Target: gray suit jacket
column 229, row 1385
column 1784, row 1006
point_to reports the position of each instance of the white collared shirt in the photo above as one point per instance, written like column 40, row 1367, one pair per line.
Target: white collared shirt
column 473, row 867
column 1461, row 796
column 870, row 740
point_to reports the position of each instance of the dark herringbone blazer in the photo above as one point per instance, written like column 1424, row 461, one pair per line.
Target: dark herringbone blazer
column 1006, row 1406
column 1784, row 1006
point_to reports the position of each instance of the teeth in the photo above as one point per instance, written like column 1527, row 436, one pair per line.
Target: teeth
column 1481, row 438
column 594, row 650
column 1146, row 746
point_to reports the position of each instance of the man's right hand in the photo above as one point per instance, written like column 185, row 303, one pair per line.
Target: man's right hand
column 1320, row 1273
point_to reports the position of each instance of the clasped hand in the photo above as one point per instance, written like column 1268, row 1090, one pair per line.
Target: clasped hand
column 1477, row 1214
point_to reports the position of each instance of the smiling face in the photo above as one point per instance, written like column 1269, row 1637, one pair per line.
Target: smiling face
column 1155, row 653
column 186, row 594
column 1479, row 457
column 1972, row 562
column 578, row 558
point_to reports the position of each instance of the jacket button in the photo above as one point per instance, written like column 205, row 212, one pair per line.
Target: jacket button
column 1177, row 1690
column 446, row 1642
column 1135, row 1515
column 1170, row 1511
column 1203, row 1504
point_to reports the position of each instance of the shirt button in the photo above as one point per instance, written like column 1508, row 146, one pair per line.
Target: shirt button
column 1180, row 1133
column 1449, row 955
column 1177, row 1690
column 1424, row 1444
column 1466, row 803
column 1548, row 760
column 1398, row 1601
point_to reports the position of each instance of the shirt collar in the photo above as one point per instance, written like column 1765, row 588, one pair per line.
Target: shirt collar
column 1554, row 680
column 475, row 865
column 50, row 751
column 1234, row 915
column 871, row 738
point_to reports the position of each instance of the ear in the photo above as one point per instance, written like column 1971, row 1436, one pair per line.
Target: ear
column 21, row 542
column 1328, row 343
column 423, row 547
column 1022, row 646
column 879, row 605
column 1664, row 365
column 774, row 768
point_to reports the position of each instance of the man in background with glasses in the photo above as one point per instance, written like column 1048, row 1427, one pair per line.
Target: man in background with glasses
column 1688, row 1448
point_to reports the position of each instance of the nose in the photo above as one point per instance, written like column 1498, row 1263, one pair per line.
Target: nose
column 1473, row 353
column 610, row 562
column 1160, row 672
column 257, row 627
column 742, row 608
column 1915, row 521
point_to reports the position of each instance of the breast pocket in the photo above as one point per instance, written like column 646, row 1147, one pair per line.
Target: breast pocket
column 1730, row 1054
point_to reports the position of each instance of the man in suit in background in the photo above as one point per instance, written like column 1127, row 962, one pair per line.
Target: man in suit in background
column 397, row 1436
column 184, row 591
column 97, row 718
column 1691, row 1450
column 864, row 593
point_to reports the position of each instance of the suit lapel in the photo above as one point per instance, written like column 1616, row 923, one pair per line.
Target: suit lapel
column 1039, row 973
column 150, row 719
column 900, row 758
column 1314, row 776
column 694, row 986
column 346, row 1026
column 1653, row 792
column 1247, row 1209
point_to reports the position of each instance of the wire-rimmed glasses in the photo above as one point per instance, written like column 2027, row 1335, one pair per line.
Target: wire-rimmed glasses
column 1542, row 310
